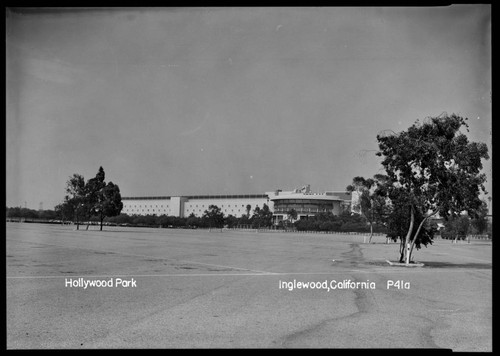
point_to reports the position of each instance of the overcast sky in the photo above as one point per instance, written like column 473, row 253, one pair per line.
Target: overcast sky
column 192, row 101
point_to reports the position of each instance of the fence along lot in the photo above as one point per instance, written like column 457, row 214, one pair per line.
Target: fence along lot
column 260, row 230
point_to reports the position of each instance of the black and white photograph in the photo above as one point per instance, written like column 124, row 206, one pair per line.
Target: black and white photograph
column 309, row 177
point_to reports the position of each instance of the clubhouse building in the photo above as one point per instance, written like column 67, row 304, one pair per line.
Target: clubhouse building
column 303, row 201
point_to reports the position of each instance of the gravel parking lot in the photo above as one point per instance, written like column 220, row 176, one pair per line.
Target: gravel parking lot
column 168, row 288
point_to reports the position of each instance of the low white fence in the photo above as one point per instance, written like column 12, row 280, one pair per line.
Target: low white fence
column 260, row 230
column 471, row 237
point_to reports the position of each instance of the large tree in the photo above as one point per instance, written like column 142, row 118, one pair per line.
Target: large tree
column 432, row 168
column 103, row 200
column 94, row 195
column 75, row 200
column 110, row 202
column 94, row 198
column 368, row 203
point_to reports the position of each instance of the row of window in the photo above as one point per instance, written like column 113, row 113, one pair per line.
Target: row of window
column 201, row 211
column 145, row 206
column 143, row 210
column 302, row 201
column 164, row 210
column 303, row 206
column 228, row 206
column 190, row 208
column 189, row 205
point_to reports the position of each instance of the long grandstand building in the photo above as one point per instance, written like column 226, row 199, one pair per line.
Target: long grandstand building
column 303, row 201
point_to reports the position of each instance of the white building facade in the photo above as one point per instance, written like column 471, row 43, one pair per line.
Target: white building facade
column 305, row 203
column 279, row 202
column 184, row 206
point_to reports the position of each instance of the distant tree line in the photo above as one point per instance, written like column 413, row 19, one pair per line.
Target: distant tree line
column 25, row 213
column 212, row 217
column 77, row 213
column 456, row 228
column 94, row 200
column 383, row 207
column 345, row 221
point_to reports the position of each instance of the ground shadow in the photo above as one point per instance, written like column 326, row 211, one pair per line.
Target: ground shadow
column 434, row 264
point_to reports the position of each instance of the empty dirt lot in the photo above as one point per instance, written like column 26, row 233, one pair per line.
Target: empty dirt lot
column 169, row 288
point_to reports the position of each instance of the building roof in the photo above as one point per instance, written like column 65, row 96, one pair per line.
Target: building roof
column 304, row 197
column 146, row 198
column 192, row 197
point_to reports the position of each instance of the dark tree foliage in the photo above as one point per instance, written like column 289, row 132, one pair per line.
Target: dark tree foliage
column 94, row 198
column 480, row 223
column 214, row 216
column 90, row 200
column 75, row 199
column 432, row 168
column 231, row 221
column 397, row 221
column 262, row 217
column 292, row 214
column 456, row 228
column 102, row 200
column 111, row 203
column 368, row 203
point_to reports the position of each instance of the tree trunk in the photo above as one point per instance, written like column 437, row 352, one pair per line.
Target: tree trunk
column 416, row 234
column 418, row 231
column 371, row 233
column 75, row 218
column 408, row 236
column 401, row 250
